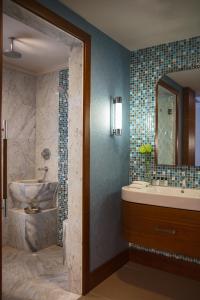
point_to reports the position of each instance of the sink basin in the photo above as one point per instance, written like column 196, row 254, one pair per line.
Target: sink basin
column 163, row 196
column 25, row 192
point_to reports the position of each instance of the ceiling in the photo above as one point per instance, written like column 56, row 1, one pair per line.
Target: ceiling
column 189, row 78
column 40, row 54
column 141, row 23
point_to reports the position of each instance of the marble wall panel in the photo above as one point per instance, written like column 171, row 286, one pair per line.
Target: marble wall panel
column 73, row 225
column 18, row 108
column 32, row 232
column 47, row 106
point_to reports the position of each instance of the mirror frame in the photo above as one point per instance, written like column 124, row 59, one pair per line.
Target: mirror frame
column 172, row 90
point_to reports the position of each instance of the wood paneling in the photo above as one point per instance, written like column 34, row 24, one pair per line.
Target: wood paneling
column 104, row 271
column 1, row 190
column 167, row 229
column 188, row 127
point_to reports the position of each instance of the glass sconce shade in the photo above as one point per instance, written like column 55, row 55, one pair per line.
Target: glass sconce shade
column 116, row 116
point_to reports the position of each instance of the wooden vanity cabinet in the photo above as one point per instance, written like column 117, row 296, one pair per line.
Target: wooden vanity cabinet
column 166, row 229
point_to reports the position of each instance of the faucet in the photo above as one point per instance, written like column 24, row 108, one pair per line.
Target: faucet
column 45, row 169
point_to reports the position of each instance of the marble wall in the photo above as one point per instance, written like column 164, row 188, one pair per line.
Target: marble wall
column 52, row 133
column 47, row 106
column 18, row 108
column 31, row 106
column 48, row 110
column 73, row 239
column 32, row 232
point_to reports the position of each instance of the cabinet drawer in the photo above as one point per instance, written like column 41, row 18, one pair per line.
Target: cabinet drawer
column 149, row 226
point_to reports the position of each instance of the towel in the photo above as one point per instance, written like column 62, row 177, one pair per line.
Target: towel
column 139, row 184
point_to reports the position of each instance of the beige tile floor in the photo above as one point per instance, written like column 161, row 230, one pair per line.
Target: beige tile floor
column 136, row 282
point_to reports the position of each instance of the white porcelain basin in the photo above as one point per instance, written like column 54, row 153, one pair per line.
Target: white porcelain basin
column 25, row 192
column 163, row 196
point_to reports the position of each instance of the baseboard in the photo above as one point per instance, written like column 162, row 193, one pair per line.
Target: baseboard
column 171, row 265
column 108, row 268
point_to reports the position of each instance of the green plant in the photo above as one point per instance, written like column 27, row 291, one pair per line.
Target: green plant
column 147, row 150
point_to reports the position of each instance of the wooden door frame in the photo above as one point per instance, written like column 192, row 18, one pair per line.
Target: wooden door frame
column 68, row 27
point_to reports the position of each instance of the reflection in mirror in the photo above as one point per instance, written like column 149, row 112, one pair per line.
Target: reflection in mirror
column 178, row 119
column 166, row 123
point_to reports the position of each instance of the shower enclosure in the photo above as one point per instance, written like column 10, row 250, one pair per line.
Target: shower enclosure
column 43, row 140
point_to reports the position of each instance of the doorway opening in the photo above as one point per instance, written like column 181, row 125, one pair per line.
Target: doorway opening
column 45, row 108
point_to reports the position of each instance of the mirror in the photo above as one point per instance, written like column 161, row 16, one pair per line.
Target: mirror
column 178, row 119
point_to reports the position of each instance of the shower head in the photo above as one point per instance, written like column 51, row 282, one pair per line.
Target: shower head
column 12, row 53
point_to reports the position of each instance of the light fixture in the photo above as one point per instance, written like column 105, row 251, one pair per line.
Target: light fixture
column 116, row 116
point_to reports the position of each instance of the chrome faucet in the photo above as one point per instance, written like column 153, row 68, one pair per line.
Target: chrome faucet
column 45, row 169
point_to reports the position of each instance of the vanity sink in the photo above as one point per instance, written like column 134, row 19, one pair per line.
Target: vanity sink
column 26, row 192
column 163, row 196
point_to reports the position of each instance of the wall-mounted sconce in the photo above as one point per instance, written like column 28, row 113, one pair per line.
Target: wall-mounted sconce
column 116, row 116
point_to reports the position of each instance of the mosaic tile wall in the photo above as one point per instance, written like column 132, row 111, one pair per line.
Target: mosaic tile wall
column 62, row 151
column 147, row 67
column 166, row 254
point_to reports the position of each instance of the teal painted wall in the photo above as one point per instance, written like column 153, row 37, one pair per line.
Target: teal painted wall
column 109, row 156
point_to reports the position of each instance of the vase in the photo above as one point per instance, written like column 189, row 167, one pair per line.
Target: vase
column 148, row 168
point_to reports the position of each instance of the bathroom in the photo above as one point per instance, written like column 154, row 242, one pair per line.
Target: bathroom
column 42, row 72
column 90, row 241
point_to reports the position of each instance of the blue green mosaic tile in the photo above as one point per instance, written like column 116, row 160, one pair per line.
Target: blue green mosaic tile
column 62, row 152
column 166, row 254
column 147, row 67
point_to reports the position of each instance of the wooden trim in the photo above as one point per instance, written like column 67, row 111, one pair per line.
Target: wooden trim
column 68, row 27
column 51, row 17
column 171, row 265
column 168, row 87
column 86, row 168
column 108, row 268
column 189, row 117
column 5, row 167
column 1, row 190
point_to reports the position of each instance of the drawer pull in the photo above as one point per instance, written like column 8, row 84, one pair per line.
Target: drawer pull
column 165, row 230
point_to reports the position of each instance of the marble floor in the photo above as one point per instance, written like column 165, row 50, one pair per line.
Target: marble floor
column 35, row 276
column 136, row 282
column 42, row 276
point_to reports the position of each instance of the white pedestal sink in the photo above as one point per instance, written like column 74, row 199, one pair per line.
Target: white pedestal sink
column 26, row 192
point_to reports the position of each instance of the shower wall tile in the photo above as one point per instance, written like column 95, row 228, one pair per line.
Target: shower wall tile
column 52, row 133
column 73, row 225
column 63, row 152
column 45, row 118
column 47, row 105
column 18, row 108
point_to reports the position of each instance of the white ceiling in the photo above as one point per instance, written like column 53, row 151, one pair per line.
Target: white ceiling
column 189, row 78
column 141, row 23
column 40, row 54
